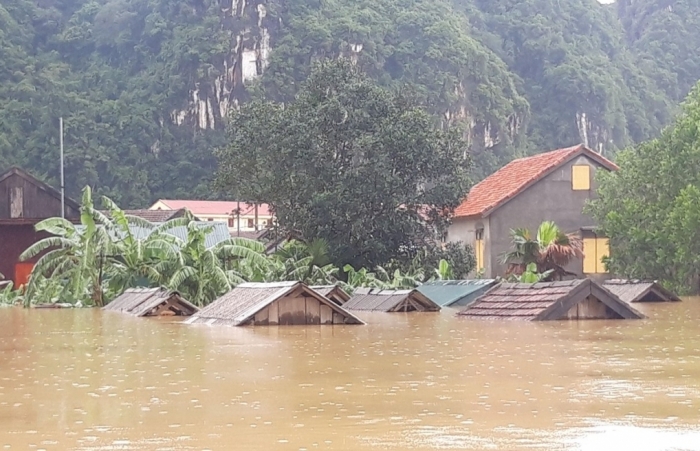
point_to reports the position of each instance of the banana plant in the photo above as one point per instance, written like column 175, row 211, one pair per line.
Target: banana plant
column 444, row 271
column 72, row 255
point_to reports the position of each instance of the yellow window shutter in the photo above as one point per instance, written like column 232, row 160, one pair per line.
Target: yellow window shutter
column 589, row 255
column 602, row 250
column 479, row 254
column 581, row 177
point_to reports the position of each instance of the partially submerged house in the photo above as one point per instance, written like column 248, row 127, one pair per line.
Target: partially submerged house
column 456, row 293
column 24, row 202
column 332, row 292
column 572, row 299
column 640, row 291
column 552, row 186
column 378, row 300
column 151, row 302
column 276, row 303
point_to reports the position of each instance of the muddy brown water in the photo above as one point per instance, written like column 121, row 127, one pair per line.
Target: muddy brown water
column 92, row 380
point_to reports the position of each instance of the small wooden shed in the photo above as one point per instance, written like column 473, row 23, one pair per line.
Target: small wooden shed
column 377, row 300
column 456, row 293
column 277, row 303
column 572, row 299
column 151, row 302
column 332, row 292
column 640, row 291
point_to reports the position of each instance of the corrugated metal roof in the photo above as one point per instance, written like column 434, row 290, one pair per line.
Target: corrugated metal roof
column 218, row 233
column 143, row 302
column 239, row 305
column 455, row 293
column 332, row 292
column 390, row 301
column 543, row 301
column 640, row 291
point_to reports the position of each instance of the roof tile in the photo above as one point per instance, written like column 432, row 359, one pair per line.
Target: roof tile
column 517, row 175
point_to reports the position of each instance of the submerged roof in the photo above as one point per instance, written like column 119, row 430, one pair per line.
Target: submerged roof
column 144, row 302
column 455, row 292
column 216, row 207
column 640, row 291
column 377, row 300
column 516, row 176
column 333, row 292
column 545, row 301
column 239, row 306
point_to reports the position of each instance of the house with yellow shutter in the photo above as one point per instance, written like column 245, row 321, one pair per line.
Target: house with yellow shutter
column 551, row 186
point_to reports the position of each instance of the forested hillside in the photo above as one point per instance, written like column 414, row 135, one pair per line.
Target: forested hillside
column 145, row 86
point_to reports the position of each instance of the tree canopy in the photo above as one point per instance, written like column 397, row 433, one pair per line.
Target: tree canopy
column 145, row 86
column 649, row 208
column 358, row 165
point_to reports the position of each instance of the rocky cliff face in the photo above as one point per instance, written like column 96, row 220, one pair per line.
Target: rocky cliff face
column 146, row 85
column 246, row 26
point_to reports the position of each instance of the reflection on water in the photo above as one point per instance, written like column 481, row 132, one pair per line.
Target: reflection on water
column 88, row 380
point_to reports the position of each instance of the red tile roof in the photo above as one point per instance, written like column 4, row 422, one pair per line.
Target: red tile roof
column 214, row 207
column 513, row 178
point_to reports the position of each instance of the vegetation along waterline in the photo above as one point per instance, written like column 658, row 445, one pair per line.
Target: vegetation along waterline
column 90, row 263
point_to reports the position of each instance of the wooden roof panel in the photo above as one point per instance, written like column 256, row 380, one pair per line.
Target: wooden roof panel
column 543, row 301
column 144, row 301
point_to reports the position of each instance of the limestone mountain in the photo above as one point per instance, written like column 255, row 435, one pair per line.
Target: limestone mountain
column 145, row 86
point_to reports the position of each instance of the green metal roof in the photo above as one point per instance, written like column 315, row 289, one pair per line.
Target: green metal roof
column 456, row 293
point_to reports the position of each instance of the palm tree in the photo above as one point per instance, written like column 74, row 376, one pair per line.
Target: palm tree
column 550, row 250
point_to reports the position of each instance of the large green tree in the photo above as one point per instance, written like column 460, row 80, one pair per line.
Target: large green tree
column 358, row 165
column 145, row 86
column 649, row 208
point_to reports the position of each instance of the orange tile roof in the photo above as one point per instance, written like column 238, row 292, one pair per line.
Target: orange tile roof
column 215, row 207
column 513, row 178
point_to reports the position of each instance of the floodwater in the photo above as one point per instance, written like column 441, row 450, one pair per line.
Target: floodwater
column 92, row 380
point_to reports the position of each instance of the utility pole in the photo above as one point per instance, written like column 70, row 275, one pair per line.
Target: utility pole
column 256, row 217
column 238, row 221
column 63, row 184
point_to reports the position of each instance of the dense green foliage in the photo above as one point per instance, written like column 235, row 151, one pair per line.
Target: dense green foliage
column 350, row 162
column 665, row 35
column 550, row 250
column 91, row 263
column 649, row 208
column 145, row 85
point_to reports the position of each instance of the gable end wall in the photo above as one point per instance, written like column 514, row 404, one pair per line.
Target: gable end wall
column 550, row 199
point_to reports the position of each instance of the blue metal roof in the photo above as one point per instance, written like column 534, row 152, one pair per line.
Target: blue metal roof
column 456, row 293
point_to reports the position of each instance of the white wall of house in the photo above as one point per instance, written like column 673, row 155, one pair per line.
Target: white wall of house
column 247, row 221
column 465, row 230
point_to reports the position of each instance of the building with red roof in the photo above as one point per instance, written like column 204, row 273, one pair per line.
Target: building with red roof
column 239, row 216
column 551, row 186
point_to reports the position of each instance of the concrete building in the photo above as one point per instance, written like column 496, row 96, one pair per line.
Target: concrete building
column 240, row 216
column 552, row 186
